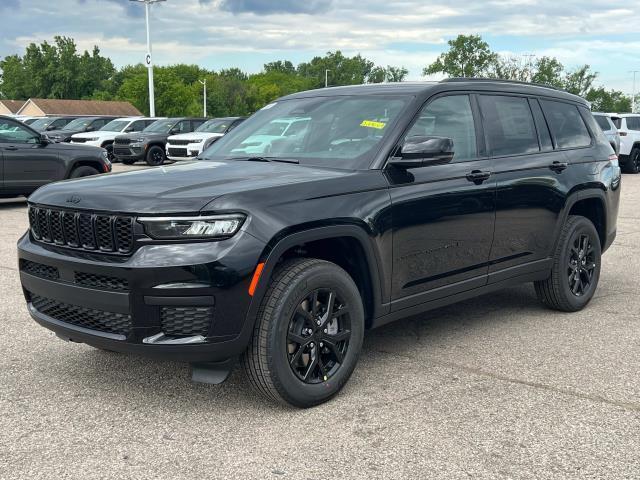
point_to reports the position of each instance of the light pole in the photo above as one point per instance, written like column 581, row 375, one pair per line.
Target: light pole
column 633, row 95
column 147, row 59
column 326, row 78
column 204, row 82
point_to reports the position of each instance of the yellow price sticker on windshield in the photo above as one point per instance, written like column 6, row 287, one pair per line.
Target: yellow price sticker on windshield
column 372, row 124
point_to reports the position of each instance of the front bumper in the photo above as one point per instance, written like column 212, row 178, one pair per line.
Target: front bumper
column 129, row 151
column 183, row 152
column 184, row 302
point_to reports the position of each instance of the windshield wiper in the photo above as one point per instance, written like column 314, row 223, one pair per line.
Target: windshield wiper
column 267, row 159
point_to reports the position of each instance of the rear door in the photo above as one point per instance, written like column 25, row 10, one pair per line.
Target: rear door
column 442, row 215
column 28, row 164
column 533, row 180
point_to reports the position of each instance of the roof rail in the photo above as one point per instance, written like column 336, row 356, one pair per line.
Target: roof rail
column 501, row 80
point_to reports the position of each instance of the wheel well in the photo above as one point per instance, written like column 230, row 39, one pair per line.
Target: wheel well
column 88, row 163
column 107, row 143
column 348, row 253
column 593, row 209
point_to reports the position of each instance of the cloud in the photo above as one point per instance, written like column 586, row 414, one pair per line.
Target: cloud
column 9, row 4
column 266, row 7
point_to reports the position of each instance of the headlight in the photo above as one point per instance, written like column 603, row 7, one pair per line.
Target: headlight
column 138, row 140
column 216, row 226
column 92, row 139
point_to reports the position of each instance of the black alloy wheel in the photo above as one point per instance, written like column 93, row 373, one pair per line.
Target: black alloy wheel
column 318, row 336
column 582, row 265
column 155, row 156
column 634, row 160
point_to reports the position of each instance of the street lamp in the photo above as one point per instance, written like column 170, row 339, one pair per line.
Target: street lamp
column 204, row 82
column 147, row 59
column 326, row 78
column 633, row 95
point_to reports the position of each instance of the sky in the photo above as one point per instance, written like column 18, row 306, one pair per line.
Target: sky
column 219, row 34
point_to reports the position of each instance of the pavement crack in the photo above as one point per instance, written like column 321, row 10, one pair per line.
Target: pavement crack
column 541, row 386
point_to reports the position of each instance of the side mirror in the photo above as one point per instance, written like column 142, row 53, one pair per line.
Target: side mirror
column 50, row 127
column 128, row 130
column 420, row 151
column 44, row 140
column 89, row 129
column 174, row 131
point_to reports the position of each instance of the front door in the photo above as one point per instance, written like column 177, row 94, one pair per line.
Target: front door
column 442, row 215
column 28, row 163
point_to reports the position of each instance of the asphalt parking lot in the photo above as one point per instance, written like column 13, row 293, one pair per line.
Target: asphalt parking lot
column 495, row 387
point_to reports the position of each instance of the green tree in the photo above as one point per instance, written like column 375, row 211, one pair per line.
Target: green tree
column 468, row 56
column 282, row 66
column 388, row 74
column 342, row 70
column 549, row 71
column 580, row 80
column 603, row 100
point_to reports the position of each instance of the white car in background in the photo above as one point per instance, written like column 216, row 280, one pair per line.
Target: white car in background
column 187, row 146
column 628, row 125
column 279, row 130
column 106, row 135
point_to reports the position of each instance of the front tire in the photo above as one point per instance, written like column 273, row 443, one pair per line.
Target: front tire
column 155, row 156
column 576, row 267
column 308, row 334
column 83, row 171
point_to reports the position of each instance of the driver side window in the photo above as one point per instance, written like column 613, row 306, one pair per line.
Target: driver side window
column 14, row 132
column 451, row 117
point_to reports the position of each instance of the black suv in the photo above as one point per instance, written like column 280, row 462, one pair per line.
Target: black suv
column 48, row 124
column 391, row 200
column 149, row 145
column 28, row 159
column 79, row 125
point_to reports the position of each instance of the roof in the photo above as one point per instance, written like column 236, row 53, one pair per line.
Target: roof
column 450, row 84
column 54, row 106
column 625, row 115
column 13, row 105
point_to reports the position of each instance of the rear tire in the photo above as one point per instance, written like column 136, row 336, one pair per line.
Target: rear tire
column 83, row 171
column 293, row 360
column 155, row 156
column 634, row 161
column 576, row 267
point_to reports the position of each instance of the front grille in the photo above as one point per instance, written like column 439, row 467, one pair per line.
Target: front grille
column 99, row 320
column 122, row 141
column 177, row 152
column 103, row 282
column 87, row 231
column 186, row 321
column 79, row 140
column 121, row 151
column 39, row 270
column 183, row 142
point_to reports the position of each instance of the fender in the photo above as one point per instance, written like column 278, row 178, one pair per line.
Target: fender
column 320, row 233
column 97, row 163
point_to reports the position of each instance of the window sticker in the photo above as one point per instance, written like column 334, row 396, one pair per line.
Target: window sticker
column 372, row 124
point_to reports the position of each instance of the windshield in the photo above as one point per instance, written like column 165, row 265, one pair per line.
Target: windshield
column 78, row 124
column 342, row 131
column 42, row 123
column 214, row 126
column 116, row 125
column 160, row 126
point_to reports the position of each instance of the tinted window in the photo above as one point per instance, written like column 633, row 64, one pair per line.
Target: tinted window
column 617, row 121
column 509, row 125
column 591, row 121
column 541, row 125
column 182, row 127
column 450, row 117
column 139, row 125
column 566, row 124
column 633, row 123
column 603, row 122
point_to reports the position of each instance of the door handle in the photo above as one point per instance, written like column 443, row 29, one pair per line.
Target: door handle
column 11, row 147
column 478, row 176
column 559, row 166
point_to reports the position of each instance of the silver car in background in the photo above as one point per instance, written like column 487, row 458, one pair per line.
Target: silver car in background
column 609, row 129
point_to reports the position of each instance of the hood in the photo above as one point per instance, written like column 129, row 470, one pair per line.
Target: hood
column 96, row 134
column 184, row 188
column 194, row 135
column 146, row 135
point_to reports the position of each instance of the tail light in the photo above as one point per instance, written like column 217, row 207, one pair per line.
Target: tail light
column 613, row 158
column 623, row 134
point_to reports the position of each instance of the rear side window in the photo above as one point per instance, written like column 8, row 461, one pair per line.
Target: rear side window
column 509, row 125
column 566, row 124
column 451, row 117
column 591, row 121
column 633, row 123
column 603, row 122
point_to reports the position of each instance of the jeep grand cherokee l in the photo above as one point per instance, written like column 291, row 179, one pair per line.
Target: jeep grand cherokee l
column 150, row 144
column 394, row 200
column 28, row 159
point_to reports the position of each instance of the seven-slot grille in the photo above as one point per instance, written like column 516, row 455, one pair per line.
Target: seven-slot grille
column 122, row 141
column 87, row 231
column 79, row 140
column 183, row 142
